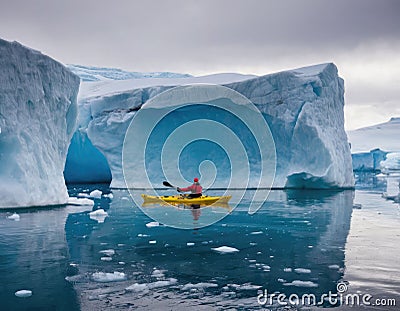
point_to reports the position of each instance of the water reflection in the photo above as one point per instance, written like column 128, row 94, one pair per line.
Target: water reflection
column 34, row 256
column 293, row 244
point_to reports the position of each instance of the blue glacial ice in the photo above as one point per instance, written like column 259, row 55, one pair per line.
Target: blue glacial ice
column 38, row 111
column 303, row 108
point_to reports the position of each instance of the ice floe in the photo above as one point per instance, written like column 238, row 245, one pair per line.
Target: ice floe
column 23, row 293
column 225, row 249
column 80, row 201
column 14, row 216
column 152, row 224
column 108, row 277
column 108, row 252
column 302, row 270
column 143, row 287
column 96, row 194
column 299, row 283
column 200, row 285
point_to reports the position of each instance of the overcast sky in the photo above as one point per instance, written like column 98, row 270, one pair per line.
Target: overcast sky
column 362, row 37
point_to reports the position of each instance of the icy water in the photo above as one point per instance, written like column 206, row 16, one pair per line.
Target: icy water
column 299, row 242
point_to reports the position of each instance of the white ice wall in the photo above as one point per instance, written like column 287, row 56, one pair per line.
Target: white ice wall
column 38, row 113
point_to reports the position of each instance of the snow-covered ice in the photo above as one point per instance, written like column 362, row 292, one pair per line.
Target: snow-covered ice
column 23, row 293
column 38, row 109
column 384, row 136
column 105, row 277
column 225, row 249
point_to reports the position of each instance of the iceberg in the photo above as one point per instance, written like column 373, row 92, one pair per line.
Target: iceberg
column 368, row 161
column 303, row 108
column 391, row 163
column 383, row 136
column 38, row 111
column 371, row 145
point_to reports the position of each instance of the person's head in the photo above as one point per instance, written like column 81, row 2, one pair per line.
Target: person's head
column 196, row 179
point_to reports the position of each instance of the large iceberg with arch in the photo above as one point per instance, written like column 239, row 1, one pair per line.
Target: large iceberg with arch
column 303, row 108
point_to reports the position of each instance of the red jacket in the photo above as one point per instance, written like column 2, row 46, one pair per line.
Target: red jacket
column 195, row 188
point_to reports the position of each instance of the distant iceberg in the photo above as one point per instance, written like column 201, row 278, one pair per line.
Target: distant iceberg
column 371, row 145
column 90, row 73
column 392, row 162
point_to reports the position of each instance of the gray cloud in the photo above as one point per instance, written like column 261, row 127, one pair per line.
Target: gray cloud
column 199, row 37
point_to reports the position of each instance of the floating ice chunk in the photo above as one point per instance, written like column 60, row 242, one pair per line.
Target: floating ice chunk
column 200, row 285
column 333, row 267
column 152, row 242
column 95, row 194
column 302, row 270
column 98, row 215
column 106, row 258
column 225, row 249
column 282, row 280
column 108, row 277
column 163, row 283
column 256, row 232
column 109, row 195
column 140, row 287
column 287, row 269
column 152, row 224
column 14, row 216
column 98, row 212
column 80, row 201
column 108, row 252
column 23, row 293
column 121, row 262
column 83, row 195
column 137, row 287
column 248, row 286
column 299, row 283
column 141, row 235
column 158, row 273
column 190, row 244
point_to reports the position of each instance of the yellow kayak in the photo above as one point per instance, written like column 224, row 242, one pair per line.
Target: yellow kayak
column 203, row 200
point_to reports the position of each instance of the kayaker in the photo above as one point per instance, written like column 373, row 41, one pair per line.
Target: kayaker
column 196, row 189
